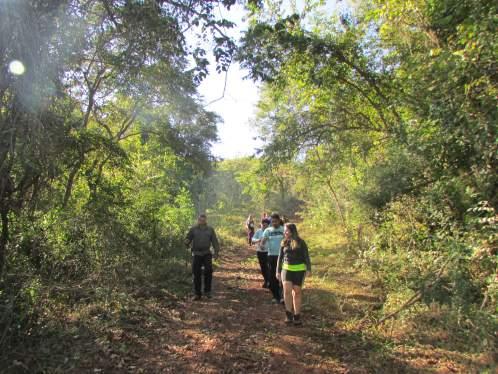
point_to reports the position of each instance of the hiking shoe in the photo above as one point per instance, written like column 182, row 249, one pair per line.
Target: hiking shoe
column 274, row 301
column 297, row 320
column 196, row 298
column 208, row 295
column 288, row 317
column 282, row 301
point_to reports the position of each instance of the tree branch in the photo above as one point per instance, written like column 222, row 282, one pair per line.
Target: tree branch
column 418, row 295
column 224, row 89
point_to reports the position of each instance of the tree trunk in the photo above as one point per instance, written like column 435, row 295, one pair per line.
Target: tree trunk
column 69, row 185
column 281, row 185
column 338, row 205
column 4, row 236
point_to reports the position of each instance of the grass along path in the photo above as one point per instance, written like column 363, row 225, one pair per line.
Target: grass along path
column 239, row 330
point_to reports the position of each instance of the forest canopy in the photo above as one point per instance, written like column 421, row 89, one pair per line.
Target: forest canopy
column 378, row 124
column 388, row 114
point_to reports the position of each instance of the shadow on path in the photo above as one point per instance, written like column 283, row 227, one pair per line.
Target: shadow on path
column 238, row 331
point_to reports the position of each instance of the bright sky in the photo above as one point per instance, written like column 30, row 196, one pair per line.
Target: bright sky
column 238, row 106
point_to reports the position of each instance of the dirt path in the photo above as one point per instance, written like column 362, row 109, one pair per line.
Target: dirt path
column 150, row 330
column 240, row 331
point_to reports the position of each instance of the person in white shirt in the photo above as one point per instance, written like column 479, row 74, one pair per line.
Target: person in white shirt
column 262, row 251
column 273, row 237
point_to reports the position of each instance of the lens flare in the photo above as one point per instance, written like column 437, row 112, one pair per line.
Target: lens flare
column 16, row 67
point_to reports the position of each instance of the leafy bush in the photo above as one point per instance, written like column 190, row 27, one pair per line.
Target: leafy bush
column 419, row 248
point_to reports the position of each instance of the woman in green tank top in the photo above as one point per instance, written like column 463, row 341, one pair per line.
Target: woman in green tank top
column 293, row 266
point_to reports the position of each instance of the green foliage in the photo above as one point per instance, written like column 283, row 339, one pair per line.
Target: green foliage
column 102, row 141
column 419, row 248
column 389, row 114
column 243, row 186
column 380, row 120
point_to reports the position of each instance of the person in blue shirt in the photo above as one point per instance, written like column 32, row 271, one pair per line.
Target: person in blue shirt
column 262, row 251
column 272, row 237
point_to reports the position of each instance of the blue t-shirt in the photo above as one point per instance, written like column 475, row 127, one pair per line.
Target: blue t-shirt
column 258, row 236
column 274, row 238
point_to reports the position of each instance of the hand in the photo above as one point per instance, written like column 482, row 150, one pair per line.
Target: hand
column 279, row 276
column 308, row 274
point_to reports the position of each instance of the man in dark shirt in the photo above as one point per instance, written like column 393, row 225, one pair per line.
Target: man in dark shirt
column 201, row 237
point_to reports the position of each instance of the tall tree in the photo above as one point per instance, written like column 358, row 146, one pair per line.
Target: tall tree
column 96, row 73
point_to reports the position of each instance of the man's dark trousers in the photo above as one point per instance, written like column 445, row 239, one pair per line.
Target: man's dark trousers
column 197, row 263
column 274, row 282
column 263, row 264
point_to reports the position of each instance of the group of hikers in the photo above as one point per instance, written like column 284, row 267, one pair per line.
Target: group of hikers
column 282, row 255
column 284, row 262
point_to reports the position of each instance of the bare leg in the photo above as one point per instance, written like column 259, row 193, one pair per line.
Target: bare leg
column 297, row 296
column 288, row 296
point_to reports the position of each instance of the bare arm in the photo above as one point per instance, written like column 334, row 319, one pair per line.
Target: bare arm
column 264, row 239
column 280, row 260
